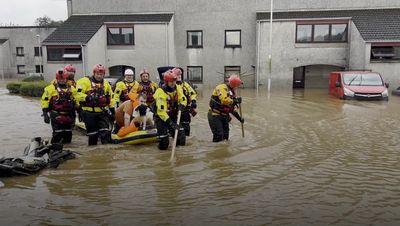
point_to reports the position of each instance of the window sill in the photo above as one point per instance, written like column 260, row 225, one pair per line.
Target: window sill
column 194, row 47
column 238, row 46
column 20, row 55
column 385, row 61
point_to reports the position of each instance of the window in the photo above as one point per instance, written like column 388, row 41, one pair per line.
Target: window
column 20, row 51
column 229, row 70
column 64, row 54
column 195, row 73
column 120, row 36
column 232, row 38
column 321, row 33
column 21, row 69
column 38, row 51
column 304, row 33
column 39, row 68
column 194, row 39
column 385, row 53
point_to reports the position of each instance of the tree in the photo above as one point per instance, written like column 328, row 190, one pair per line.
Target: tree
column 46, row 21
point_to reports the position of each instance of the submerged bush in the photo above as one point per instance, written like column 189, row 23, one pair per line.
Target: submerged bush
column 33, row 89
column 33, row 78
column 13, row 87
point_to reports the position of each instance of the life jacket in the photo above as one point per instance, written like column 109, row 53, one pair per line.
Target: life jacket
column 172, row 101
column 218, row 107
column 71, row 82
column 147, row 90
column 124, row 93
column 186, row 92
column 99, row 97
column 63, row 102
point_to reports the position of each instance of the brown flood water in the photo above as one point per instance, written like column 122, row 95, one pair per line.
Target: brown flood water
column 306, row 159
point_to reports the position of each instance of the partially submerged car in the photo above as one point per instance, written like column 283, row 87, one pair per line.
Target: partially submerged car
column 360, row 85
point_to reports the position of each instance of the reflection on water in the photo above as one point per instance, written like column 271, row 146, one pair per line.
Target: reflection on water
column 306, row 159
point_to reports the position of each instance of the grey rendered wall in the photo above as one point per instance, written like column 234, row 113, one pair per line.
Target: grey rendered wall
column 286, row 54
column 22, row 37
column 211, row 16
column 282, row 5
column 149, row 51
column 96, row 51
column 357, row 49
column 5, row 60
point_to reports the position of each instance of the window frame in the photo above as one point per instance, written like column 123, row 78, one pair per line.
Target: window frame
column 240, row 39
column 120, row 27
column 19, row 71
column 330, row 23
column 22, row 51
column 38, row 51
column 201, row 74
column 38, row 67
column 194, row 46
column 395, row 46
column 231, row 66
column 63, row 50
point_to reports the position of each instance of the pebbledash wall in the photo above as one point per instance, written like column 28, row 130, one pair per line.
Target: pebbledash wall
column 25, row 38
column 213, row 17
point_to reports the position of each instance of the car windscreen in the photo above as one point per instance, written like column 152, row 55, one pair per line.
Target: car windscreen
column 360, row 79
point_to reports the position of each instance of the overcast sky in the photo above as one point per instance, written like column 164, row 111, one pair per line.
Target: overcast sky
column 25, row 12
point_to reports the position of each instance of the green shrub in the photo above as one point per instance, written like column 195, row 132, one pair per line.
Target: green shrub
column 13, row 87
column 33, row 89
column 33, row 78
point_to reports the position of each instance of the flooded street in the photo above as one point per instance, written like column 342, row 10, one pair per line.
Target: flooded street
column 306, row 159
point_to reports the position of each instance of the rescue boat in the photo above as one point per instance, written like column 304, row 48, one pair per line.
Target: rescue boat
column 137, row 137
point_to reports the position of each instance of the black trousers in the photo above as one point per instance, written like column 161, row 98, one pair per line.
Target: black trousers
column 185, row 120
column 97, row 125
column 62, row 133
column 164, row 131
column 219, row 125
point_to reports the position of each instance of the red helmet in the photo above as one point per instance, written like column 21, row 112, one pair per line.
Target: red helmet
column 99, row 68
column 69, row 68
column 169, row 76
column 144, row 71
column 61, row 75
column 234, row 81
column 178, row 73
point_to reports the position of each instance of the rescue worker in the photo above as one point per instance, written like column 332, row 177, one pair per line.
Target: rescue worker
column 122, row 88
column 222, row 103
column 146, row 87
column 58, row 101
column 94, row 95
column 168, row 100
column 70, row 71
column 191, row 96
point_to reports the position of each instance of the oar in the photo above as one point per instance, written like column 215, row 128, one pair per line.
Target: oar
column 178, row 121
column 241, row 115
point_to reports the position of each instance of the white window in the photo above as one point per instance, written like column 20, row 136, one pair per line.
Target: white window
column 232, row 38
column 195, row 73
column 194, row 39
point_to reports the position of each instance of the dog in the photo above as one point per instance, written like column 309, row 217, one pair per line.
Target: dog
column 143, row 116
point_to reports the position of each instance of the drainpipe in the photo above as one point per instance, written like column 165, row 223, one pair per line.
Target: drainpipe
column 270, row 46
column 166, row 44
column 258, row 55
column 83, row 59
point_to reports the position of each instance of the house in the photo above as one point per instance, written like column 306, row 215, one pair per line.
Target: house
column 213, row 39
column 20, row 50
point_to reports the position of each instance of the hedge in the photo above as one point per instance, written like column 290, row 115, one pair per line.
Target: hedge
column 33, row 78
column 33, row 89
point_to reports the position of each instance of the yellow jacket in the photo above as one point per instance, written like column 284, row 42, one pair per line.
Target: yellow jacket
column 123, row 87
column 189, row 92
column 167, row 102
column 51, row 94
column 222, row 100
column 147, row 90
column 85, row 86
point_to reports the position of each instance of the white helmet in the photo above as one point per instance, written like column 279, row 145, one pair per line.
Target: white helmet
column 129, row 72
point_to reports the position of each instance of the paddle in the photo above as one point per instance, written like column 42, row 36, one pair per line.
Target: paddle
column 241, row 115
column 175, row 137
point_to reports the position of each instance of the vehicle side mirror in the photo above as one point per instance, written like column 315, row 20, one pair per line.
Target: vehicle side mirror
column 387, row 85
column 338, row 84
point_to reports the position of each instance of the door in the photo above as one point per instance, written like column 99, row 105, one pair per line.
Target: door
column 299, row 77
